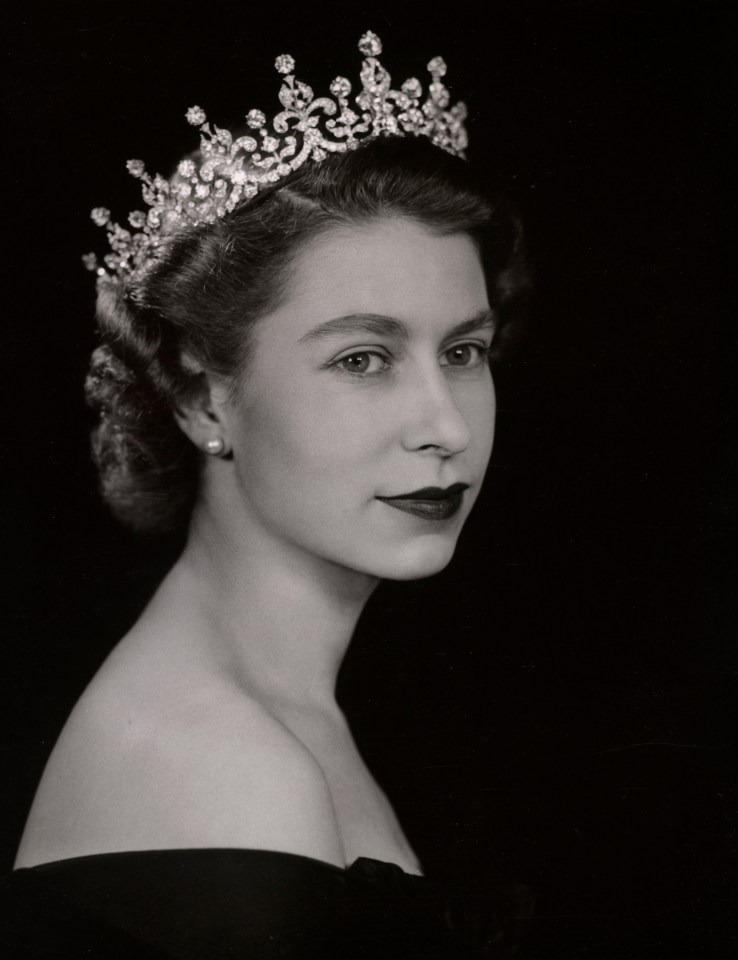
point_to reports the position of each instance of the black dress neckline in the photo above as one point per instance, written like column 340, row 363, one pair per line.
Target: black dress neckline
column 208, row 903
column 256, row 852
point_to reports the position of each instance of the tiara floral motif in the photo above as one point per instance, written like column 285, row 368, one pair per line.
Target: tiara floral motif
column 231, row 169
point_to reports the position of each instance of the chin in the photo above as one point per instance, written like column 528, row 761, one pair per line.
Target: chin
column 420, row 559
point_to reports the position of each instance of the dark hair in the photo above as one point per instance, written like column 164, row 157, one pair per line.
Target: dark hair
column 215, row 280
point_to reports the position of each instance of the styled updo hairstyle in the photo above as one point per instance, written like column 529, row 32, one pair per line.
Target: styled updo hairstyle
column 215, row 281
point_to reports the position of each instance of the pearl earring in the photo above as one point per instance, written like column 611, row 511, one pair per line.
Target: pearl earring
column 215, row 446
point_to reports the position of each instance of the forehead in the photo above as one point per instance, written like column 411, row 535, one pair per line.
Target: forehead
column 393, row 267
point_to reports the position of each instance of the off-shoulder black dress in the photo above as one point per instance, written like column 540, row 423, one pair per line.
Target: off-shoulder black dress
column 211, row 904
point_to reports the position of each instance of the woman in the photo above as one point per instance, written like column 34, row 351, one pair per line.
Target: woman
column 294, row 363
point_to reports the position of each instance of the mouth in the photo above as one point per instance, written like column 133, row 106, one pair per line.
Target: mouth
column 429, row 503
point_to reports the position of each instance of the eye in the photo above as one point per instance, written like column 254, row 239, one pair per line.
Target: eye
column 466, row 355
column 363, row 363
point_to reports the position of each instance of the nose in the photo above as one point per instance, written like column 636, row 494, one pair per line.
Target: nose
column 433, row 420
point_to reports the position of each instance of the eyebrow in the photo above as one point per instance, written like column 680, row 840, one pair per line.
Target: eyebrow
column 381, row 325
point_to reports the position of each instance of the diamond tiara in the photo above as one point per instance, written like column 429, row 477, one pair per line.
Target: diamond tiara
column 231, row 169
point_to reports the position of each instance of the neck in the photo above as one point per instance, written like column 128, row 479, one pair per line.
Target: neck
column 278, row 620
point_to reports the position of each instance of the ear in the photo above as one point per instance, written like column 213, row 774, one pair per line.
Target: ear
column 200, row 414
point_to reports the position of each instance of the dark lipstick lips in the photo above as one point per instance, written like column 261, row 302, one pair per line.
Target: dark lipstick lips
column 429, row 503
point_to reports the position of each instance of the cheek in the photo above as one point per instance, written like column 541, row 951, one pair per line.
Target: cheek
column 479, row 409
column 307, row 474
column 308, row 441
column 487, row 421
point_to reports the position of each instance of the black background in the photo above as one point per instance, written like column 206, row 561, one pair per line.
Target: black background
column 557, row 707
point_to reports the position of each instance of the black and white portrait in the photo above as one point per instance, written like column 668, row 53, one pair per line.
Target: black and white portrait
column 370, row 454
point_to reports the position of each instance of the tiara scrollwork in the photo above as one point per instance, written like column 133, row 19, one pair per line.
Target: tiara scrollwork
column 232, row 169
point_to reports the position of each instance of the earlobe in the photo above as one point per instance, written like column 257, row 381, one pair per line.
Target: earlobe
column 199, row 415
column 196, row 421
column 204, row 430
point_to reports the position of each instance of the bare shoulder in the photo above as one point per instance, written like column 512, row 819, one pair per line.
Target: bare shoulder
column 190, row 768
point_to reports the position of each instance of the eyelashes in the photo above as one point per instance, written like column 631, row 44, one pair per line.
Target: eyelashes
column 371, row 362
column 362, row 363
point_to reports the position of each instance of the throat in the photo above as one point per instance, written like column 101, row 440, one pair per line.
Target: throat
column 277, row 629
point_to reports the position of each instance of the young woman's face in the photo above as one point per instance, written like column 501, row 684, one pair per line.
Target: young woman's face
column 369, row 383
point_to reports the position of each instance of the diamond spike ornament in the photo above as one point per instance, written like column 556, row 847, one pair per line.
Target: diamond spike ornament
column 232, row 169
